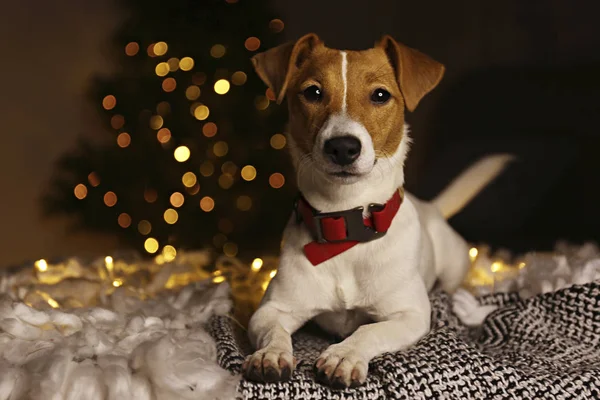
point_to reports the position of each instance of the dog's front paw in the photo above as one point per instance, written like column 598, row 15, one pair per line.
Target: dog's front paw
column 269, row 365
column 341, row 367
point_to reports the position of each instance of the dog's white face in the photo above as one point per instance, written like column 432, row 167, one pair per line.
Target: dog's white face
column 346, row 107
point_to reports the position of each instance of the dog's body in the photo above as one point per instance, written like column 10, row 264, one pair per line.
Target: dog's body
column 382, row 283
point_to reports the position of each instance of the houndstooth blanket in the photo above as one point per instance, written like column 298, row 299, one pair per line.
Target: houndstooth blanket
column 545, row 347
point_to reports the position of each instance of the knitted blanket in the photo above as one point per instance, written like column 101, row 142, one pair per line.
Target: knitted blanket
column 544, row 347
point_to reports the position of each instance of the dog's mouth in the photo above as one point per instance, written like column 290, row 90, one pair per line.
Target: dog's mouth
column 343, row 174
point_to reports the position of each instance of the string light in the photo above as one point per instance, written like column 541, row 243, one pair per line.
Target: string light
column 192, row 92
column 117, row 282
column 169, row 253
column 150, row 50
column 182, row 153
column 93, row 179
column 252, row 43
column 169, row 85
column 218, row 279
column 144, row 227
column 123, row 140
column 276, row 25
column 244, row 203
column 222, row 86
column 225, row 181
column 132, row 48
column 173, row 64
column 201, row 112
column 261, row 103
column 163, row 135
column 117, row 121
column 229, row 167
column 278, row 141
column 110, row 199
column 209, row 129
column 124, row 220
column 162, row 69
column 156, row 122
column 170, row 216
column 41, row 265
column 189, row 179
column 217, row 51
column 220, row 149
column 473, row 253
column 160, row 48
column 176, row 199
column 186, row 63
column 248, row 173
column 496, row 266
column 151, row 245
column 230, row 249
column 163, row 108
column 257, row 264
column 207, row 204
column 80, row 191
column 194, row 189
column 109, row 102
column 239, row 78
column 276, row 180
column 207, row 169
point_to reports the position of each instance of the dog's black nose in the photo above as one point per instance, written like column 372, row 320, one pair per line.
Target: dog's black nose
column 342, row 150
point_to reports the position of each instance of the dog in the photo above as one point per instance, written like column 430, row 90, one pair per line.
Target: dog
column 359, row 254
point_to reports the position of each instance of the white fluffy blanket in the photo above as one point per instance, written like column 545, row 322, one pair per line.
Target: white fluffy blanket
column 148, row 350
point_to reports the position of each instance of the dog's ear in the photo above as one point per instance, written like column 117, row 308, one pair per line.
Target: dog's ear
column 417, row 74
column 276, row 66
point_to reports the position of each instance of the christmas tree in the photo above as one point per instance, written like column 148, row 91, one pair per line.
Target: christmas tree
column 193, row 152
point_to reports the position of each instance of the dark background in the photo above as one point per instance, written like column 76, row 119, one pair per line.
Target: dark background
column 522, row 77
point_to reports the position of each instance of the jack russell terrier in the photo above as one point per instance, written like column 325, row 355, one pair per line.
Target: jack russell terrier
column 359, row 254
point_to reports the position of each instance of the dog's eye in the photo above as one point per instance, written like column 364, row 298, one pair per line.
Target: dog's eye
column 313, row 94
column 380, row 96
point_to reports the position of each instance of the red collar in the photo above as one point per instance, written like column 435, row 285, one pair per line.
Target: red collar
column 336, row 232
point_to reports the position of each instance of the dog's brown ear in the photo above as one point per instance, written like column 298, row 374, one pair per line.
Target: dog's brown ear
column 276, row 66
column 417, row 74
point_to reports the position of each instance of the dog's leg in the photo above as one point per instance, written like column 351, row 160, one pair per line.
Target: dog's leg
column 406, row 319
column 270, row 330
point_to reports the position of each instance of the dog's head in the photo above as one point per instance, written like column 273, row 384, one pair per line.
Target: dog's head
column 347, row 107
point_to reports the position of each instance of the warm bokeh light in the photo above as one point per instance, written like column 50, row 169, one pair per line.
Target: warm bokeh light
column 270, row 94
column 170, row 216
column 150, row 50
column 123, row 140
column 117, row 121
column 182, row 153
column 160, row 48
column 162, row 69
column 173, row 64
column 151, row 245
column 230, row 249
column 177, row 199
column 110, row 199
column 144, row 227
column 278, row 141
column 109, row 102
column 94, row 179
column 169, row 253
column 473, row 253
column 201, row 112
column 150, row 195
column 257, row 264
column 169, row 85
column 209, row 129
column 229, row 167
column 225, row 181
column 217, row 51
column 194, row 189
column 132, row 48
column 222, row 86
column 252, row 43
column 239, row 78
column 207, row 204
column 156, row 122
column 41, row 265
column 220, row 149
column 192, row 92
column 163, row 108
column 186, row 63
column 497, row 266
column 124, row 220
column 163, row 135
column 244, row 203
column 207, row 169
column 261, row 103
column 117, row 282
column 189, row 179
column 80, row 191
column 248, row 173
column 276, row 25
column 276, row 180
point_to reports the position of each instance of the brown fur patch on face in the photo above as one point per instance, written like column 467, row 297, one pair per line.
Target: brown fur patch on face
column 366, row 71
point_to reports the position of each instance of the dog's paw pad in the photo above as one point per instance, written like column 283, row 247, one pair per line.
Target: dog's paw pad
column 268, row 366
